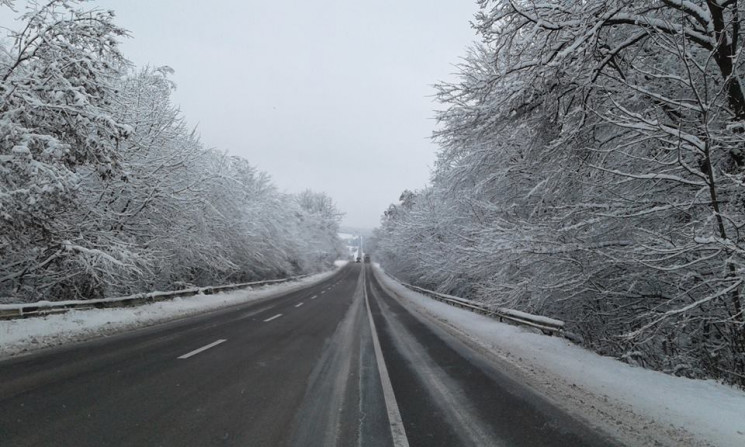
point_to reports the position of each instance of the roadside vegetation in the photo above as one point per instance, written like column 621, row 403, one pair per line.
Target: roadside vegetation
column 591, row 168
column 104, row 190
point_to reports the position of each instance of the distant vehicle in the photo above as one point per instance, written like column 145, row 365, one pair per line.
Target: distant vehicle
column 358, row 259
column 367, row 258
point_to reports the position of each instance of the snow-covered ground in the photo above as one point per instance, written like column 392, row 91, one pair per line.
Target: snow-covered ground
column 639, row 406
column 17, row 336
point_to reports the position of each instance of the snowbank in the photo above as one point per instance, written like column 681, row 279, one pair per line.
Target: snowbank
column 672, row 410
column 28, row 334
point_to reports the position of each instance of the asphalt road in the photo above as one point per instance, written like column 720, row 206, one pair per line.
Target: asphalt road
column 340, row 363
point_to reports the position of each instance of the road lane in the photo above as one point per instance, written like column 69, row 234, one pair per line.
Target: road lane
column 398, row 432
column 299, row 369
column 450, row 396
column 132, row 390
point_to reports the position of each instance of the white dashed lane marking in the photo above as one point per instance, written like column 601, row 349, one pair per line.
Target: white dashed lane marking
column 203, row 348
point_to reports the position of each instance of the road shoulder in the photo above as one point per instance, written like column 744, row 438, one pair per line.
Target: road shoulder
column 615, row 417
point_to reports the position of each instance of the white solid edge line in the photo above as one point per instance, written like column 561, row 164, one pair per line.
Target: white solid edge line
column 298, row 304
column 314, row 297
column 203, row 348
column 398, row 433
column 272, row 318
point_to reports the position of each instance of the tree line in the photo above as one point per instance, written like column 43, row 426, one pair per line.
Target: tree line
column 104, row 190
column 591, row 168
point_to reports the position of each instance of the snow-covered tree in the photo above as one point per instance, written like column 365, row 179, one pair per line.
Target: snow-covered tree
column 591, row 168
column 104, row 190
column 57, row 83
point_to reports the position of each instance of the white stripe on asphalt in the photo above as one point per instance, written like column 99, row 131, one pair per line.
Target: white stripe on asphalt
column 298, row 304
column 398, row 433
column 203, row 348
column 314, row 297
column 272, row 318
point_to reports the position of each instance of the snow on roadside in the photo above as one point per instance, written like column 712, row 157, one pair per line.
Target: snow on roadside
column 22, row 335
column 678, row 410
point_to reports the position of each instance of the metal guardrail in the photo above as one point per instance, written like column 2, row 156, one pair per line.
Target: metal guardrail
column 548, row 326
column 25, row 310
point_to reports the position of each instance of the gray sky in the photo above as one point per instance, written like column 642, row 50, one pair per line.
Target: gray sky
column 331, row 95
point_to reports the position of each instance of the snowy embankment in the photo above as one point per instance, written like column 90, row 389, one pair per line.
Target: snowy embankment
column 639, row 406
column 22, row 335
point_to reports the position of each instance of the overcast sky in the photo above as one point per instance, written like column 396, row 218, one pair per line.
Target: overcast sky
column 331, row 95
